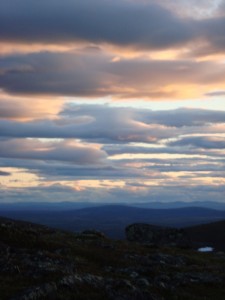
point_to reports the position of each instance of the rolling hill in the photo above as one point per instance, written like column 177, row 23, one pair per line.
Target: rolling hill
column 212, row 234
column 112, row 219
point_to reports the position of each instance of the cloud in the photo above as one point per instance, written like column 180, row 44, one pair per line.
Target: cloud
column 192, row 28
column 94, row 73
column 127, row 138
column 215, row 93
column 106, row 124
column 184, row 117
column 57, row 192
column 158, row 167
column 139, row 24
column 212, row 31
column 206, row 142
column 55, row 51
column 191, row 8
column 118, row 22
column 12, row 109
column 66, row 151
column 92, row 123
column 3, row 173
column 173, row 150
column 15, row 108
column 60, row 170
column 54, row 73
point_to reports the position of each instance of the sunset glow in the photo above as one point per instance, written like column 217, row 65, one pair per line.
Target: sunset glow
column 128, row 104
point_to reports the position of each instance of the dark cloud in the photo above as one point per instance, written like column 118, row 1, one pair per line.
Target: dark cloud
column 205, row 142
column 152, row 24
column 67, row 151
column 55, row 73
column 174, row 149
column 141, row 24
column 94, row 73
column 3, row 173
column 62, row 170
column 215, row 93
column 114, row 21
column 212, row 31
column 184, row 117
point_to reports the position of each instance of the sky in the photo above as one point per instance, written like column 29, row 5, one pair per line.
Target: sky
column 112, row 100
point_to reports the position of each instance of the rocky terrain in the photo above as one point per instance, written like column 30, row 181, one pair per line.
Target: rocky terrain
column 38, row 262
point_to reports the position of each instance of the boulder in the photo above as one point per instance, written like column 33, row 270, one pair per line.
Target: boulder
column 157, row 235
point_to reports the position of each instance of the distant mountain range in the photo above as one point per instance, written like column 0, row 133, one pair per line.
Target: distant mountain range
column 112, row 219
column 66, row 205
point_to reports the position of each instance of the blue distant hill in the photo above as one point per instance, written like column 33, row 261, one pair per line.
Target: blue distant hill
column 112, row 219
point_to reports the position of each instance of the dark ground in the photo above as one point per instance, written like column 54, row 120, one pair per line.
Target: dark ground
column 42, row 263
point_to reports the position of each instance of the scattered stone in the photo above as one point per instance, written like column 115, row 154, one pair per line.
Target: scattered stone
column 38, row 292
column 142, row 283
column 166, row 259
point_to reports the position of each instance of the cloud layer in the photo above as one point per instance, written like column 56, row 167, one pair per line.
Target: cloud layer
column 109, row 100
column 147, row 24
column 100, row 142
column 118, row 22
column 93, row 73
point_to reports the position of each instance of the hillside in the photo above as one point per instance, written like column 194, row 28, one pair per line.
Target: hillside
column 212, row 234
column 38, row 262
column 112, row 219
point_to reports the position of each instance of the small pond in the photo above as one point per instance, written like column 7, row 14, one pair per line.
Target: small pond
column 205, row 249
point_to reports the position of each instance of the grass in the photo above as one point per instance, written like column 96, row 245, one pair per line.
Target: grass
column 94, row 256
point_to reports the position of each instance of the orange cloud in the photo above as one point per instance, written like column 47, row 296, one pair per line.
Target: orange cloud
column 25, row 108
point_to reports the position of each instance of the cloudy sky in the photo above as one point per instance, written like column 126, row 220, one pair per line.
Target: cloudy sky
column 112, row 100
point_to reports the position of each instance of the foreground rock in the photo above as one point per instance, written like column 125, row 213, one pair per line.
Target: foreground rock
column 41, row 263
